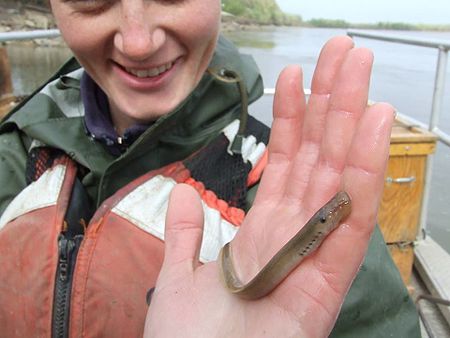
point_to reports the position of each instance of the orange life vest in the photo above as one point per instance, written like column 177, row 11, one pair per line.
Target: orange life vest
column 95, row 284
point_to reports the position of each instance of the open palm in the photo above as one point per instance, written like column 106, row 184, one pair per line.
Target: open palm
column 317, row 147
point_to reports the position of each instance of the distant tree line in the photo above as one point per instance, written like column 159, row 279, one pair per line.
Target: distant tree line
column 330, row 23
column 267, row 12
column 260, row 12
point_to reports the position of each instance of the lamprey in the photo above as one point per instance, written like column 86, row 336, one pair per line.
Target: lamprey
column 305, row 241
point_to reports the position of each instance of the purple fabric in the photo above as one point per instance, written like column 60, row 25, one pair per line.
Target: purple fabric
column 98, row 121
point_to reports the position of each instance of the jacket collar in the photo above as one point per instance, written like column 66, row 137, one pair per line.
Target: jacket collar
column 54, row 116
column 98, row 121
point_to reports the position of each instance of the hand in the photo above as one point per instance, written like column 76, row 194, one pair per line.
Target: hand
column 332, row 142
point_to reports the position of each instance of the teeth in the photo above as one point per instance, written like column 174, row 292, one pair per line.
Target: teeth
column 162, row 69
column 153, row 72
column 141, row 73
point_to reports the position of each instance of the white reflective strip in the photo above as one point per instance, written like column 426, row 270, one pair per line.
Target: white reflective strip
column 146, row 207
column 40, row 194
column 251, row 151
column 231, row 130
column 216, row 233
column 69, row 102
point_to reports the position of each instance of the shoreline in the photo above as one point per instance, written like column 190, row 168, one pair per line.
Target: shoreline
column 28, row 18
column 17, row 17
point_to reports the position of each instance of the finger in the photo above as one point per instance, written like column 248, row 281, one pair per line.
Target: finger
column 363, row 180
column 328, row 273
column 183, row 236
column 184, row 228
column 348, row 101
column 288, row 110
column 328, row 65
column 365, row 168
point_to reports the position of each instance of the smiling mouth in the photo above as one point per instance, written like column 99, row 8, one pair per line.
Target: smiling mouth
column 151, row 72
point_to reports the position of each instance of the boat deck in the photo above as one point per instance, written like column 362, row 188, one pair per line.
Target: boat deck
column 432, row 277
column 434, row 317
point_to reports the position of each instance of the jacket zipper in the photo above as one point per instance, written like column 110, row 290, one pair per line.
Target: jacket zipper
column 67, row 252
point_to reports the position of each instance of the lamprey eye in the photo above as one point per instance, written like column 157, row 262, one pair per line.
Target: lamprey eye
column 323, row 219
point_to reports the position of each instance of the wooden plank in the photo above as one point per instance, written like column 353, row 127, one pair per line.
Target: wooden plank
column 398, row 135
column 405, row 133
column 403, row 257
column 411, row 149
column 399, row 211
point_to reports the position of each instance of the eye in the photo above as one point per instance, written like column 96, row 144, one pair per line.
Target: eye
column 323, row 219
column 171, row 2
column 90, row 7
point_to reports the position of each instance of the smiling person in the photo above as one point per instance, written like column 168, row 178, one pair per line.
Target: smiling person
column 127, row 172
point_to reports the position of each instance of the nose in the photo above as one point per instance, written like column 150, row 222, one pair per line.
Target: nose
column 138, row 36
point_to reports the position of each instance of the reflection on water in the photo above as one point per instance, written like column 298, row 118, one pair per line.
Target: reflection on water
column 403, row 75
column 31, row 66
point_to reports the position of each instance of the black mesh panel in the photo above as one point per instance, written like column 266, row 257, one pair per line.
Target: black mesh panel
column 39, row 160
column 221, row 172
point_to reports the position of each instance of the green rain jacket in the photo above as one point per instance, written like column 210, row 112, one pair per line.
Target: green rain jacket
column 377, row 304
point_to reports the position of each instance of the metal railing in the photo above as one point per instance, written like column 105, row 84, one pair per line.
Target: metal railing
column 439, row 81
column 436, row 107
column 29, row 35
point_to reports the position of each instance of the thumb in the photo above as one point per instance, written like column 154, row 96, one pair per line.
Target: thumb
column 184, row 229
column 183, row 237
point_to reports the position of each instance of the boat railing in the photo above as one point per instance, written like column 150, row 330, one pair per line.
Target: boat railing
column 442, row 46
column 438, row 94
column 29, row 35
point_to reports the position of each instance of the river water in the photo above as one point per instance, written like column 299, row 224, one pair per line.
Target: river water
column 402, row 75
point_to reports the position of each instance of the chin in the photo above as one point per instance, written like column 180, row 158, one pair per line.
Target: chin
column 144, row 117
column 142, row 111
column 139, row 109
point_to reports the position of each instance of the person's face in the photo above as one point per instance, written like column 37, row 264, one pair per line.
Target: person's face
column 146, row 55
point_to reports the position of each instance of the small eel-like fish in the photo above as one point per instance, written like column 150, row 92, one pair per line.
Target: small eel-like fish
column 305, row 241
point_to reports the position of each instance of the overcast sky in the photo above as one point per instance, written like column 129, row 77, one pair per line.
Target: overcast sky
column 369, row 11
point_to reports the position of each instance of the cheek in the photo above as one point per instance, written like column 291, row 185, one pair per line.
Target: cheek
column 77, row 32
column 204, row 31
column 209, row 25
column 80, row 40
